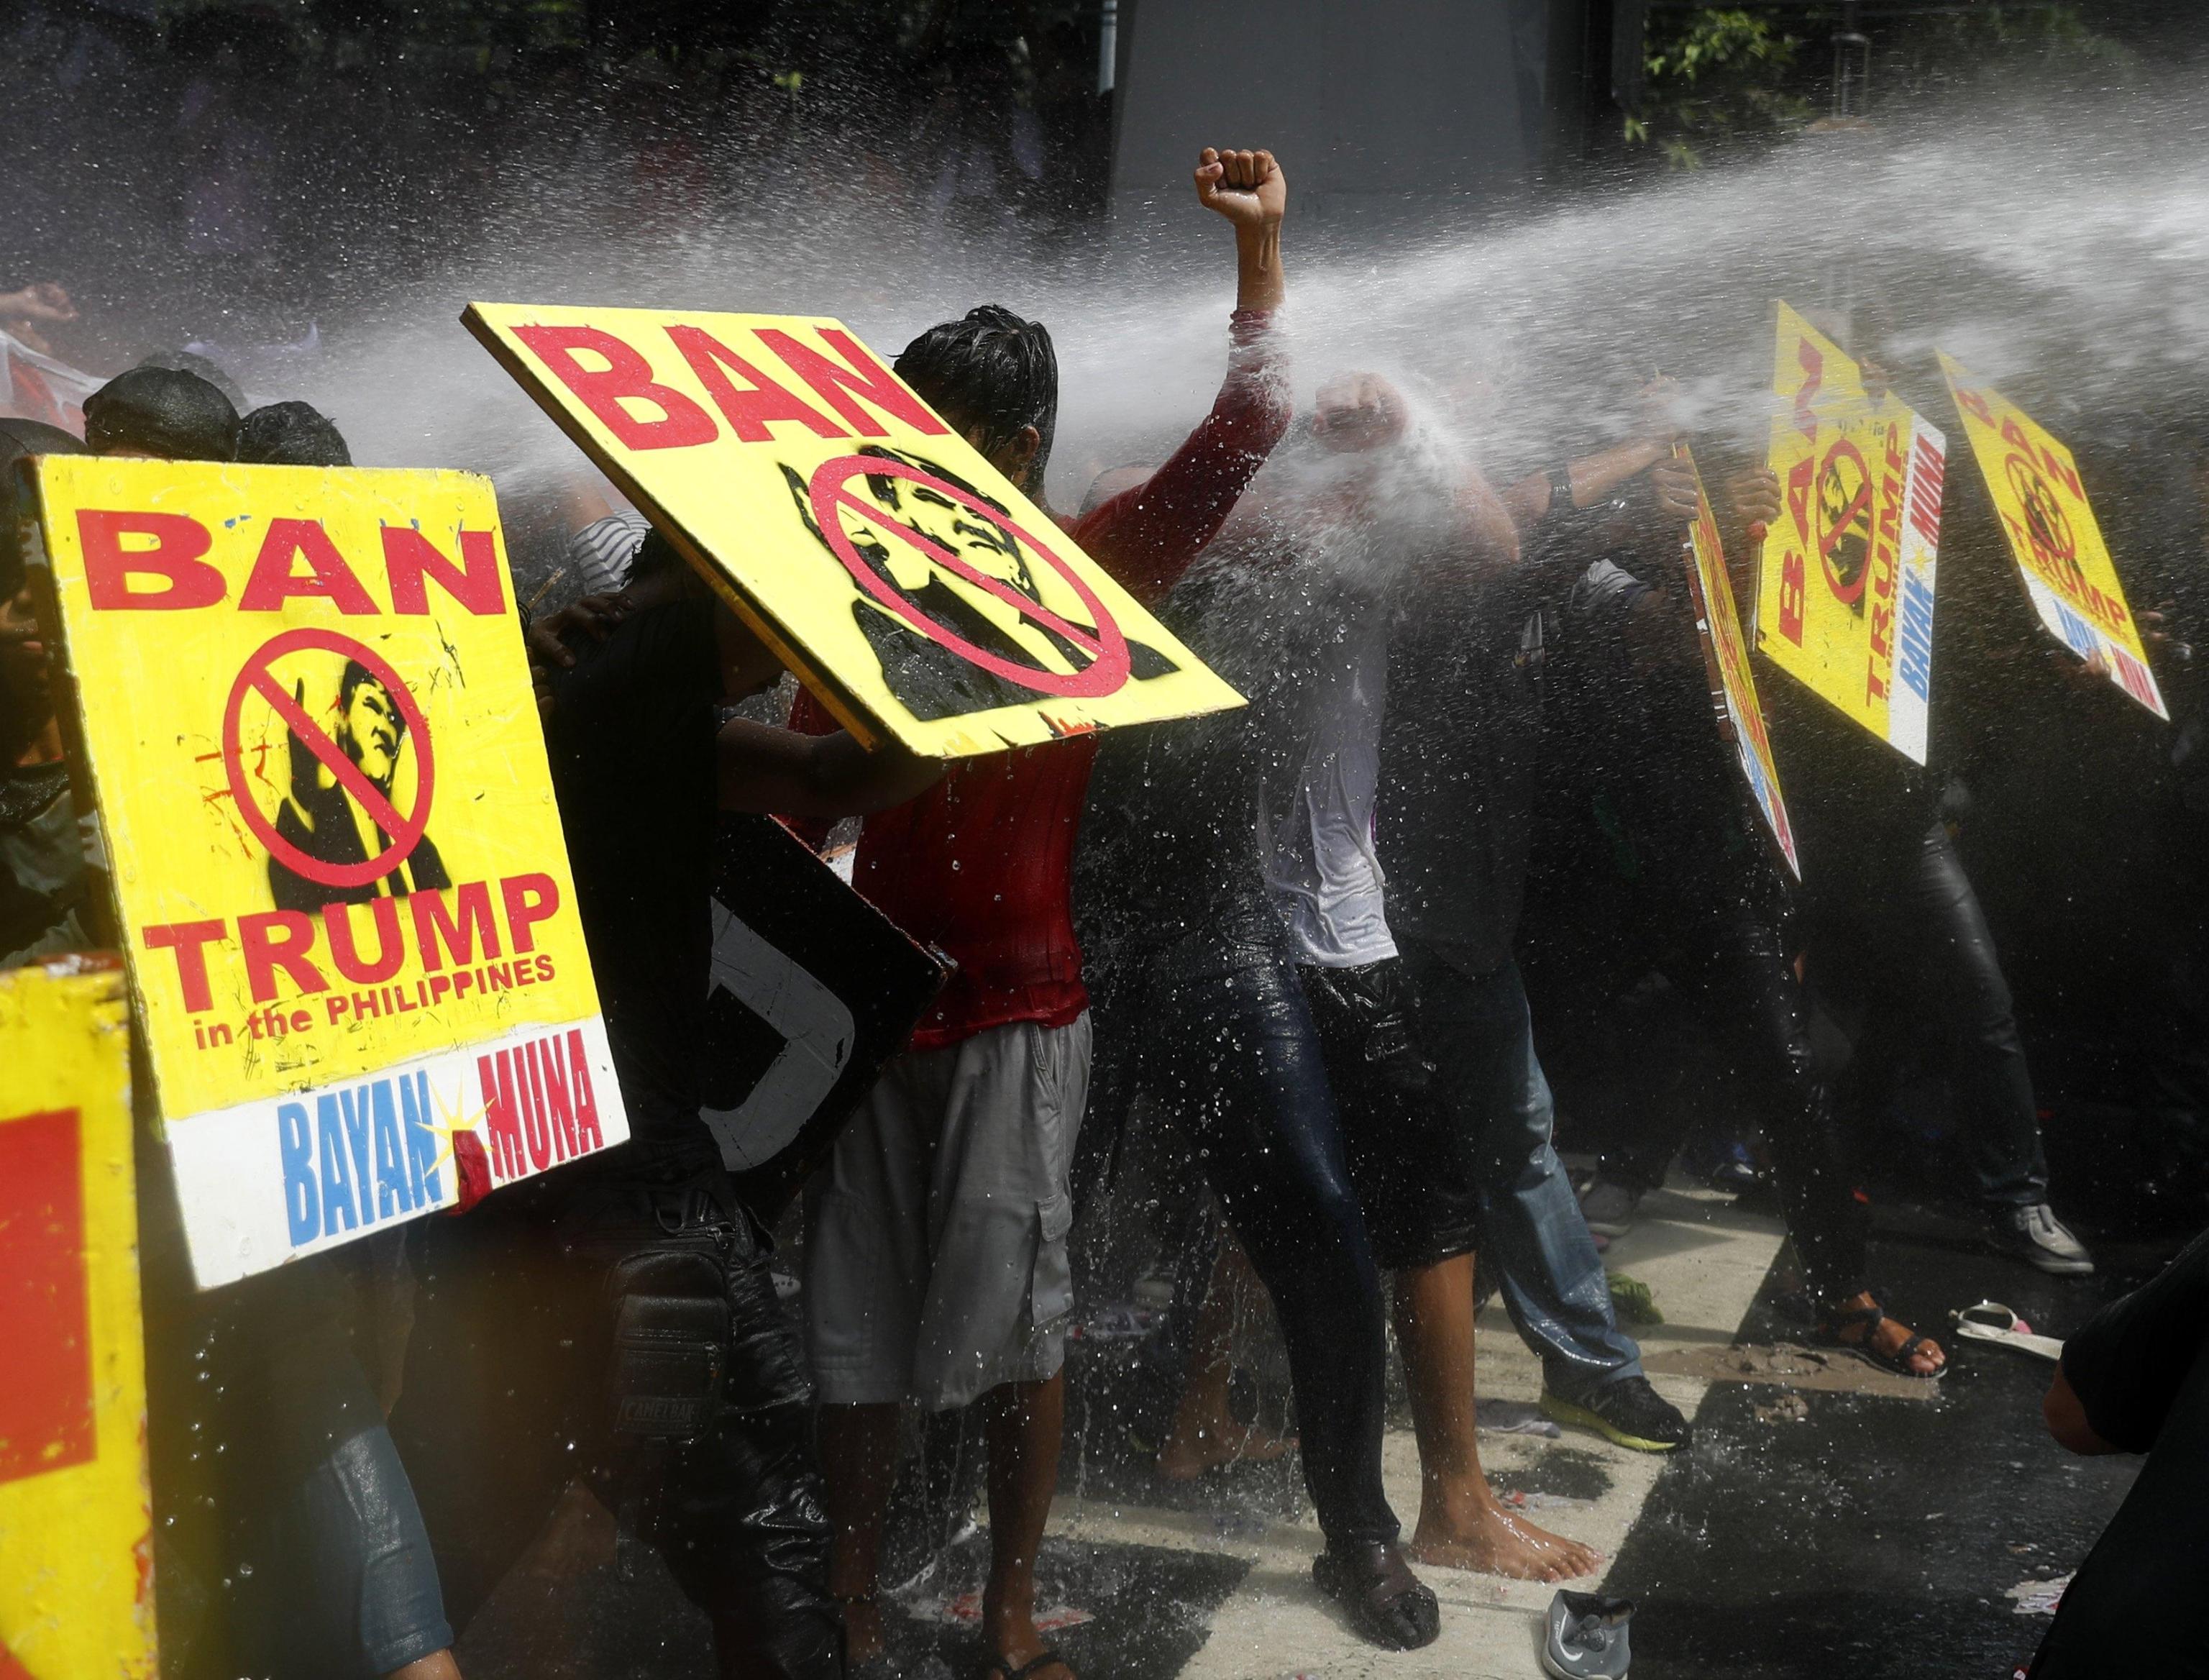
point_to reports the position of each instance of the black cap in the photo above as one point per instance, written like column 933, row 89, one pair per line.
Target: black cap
column 291, row 434
column 162, row 411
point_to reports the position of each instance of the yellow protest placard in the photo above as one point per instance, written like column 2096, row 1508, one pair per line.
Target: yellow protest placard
column 77, row 1540
column 2053, row 534
column 1846, row 588
column 1725, row 654
column 882, row 558
column 306, row 711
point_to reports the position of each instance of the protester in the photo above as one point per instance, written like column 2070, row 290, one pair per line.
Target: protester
column 573, row 1326
column 1414, row 1159
column 1655, row 866
column 1204, row 1016
column 331, row 1564
column 48, row 898
column 935, row 1240
column 1890, row 915
column 1455, row 822
column 2136, row 1380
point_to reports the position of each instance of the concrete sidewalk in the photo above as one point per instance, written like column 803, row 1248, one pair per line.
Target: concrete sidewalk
column 1704, row 1265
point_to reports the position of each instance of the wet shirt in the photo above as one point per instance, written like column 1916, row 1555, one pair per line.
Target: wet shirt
column 2140, row 1369
column 980, row 865
column 1170, row 842
column 1315, row 839
column 631, row 740
column 1458, row 758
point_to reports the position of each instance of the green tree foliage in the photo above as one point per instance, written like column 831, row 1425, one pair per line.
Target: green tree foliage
column 1714, row 78
column 1717, row 81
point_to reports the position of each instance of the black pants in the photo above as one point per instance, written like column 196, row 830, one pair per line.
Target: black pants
column 511, row 1393
column 1727, row 957
column 1416, row 1173
column 1913, row 945
column 1232, row 1053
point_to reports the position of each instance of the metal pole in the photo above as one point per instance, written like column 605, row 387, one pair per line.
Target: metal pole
column 1852, row 67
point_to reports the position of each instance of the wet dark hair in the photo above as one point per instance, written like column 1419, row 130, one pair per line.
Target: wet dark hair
column 168, row 412
column 291, row 434
column 990, row 368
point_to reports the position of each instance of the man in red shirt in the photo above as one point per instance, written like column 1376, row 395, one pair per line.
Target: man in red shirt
column 936, row 1268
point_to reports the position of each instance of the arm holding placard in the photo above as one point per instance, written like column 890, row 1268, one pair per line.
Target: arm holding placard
column 781, row 771
column 1751, row 499
column 1586, row 481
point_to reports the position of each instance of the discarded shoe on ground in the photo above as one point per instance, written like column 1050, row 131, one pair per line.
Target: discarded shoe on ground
column 1585, row 1637
column 1992, row 1322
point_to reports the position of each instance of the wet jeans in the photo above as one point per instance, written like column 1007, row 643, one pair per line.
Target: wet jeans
column 1234, row 1057
column 1916, row 949
column 568, row 1327
column 331, row 1571
column 1476, row 1031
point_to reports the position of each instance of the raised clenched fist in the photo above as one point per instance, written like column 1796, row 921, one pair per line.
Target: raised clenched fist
column 1355, row 412
column 1247, row 187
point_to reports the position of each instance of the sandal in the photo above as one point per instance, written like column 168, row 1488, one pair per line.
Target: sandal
column 1834, row 1322
column 1034, row 1665
column 1385, row 1603
column 1992, row 1322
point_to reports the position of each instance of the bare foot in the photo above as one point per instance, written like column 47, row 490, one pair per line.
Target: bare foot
column 1013, row 1641
column 1187, row 1456
column 1497, row 1542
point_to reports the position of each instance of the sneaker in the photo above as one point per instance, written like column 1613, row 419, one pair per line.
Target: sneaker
column 1626, row 1411
column 2035, row 1235
column 1608, row 1207
column 1585, row 1637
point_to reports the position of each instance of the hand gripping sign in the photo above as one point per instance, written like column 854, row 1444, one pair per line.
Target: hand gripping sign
column 306, row 714
column 2053, row 534
column 1844, row 590
column 1725, row 656
column 76, row 1539
column 918, row 594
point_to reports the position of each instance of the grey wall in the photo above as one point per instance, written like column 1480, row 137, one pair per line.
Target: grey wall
column 1376, row 108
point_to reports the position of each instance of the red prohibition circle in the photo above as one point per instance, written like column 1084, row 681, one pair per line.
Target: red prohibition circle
column 1829, row 539
column 405, row 831
column 1109, row 665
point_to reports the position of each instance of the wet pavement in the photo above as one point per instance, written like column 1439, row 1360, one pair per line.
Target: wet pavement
column 1842, row 1524
column 1879, row 1538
